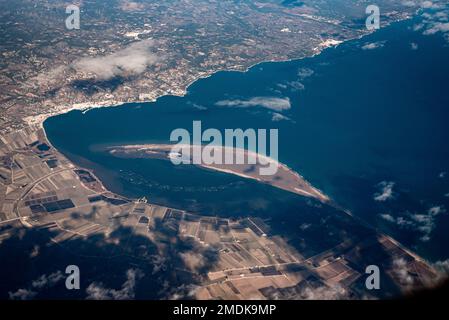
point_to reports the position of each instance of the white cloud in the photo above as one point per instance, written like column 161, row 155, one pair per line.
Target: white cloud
column 273, row 103
column 47, row 280
column 324, row 293
column 305, row 226
column 131, row 6
column 424, row 223
column 193, row 261
column 386, row 191
column 414, row 46
column 282, row 85
column 96, row 291
column 278, row 117
column 22, row 294
column 132, row 60
column 199, row 107
column 292, row 85
column 182, row 292
column 401, row 272
column 435, row 19
column 159, row 263
column 305, row 73
column 388, row 217
column 373, row 45
column 418, row 27
column 442, row 266
column 409, row 3
column 437, row 27
column 425, row 4
column 44, row 281
column 436, row 210
column 441, row 15
column 429, row 5
column 404, row 222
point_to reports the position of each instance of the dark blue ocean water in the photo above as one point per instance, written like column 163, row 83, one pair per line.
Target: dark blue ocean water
column 363, row 118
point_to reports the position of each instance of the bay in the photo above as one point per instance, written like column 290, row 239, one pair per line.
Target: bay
column 360, row 120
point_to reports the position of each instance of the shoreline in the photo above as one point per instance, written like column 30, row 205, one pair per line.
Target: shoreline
column 283, row 178
column 331, row 203
column 179, row 207
column 85, row 107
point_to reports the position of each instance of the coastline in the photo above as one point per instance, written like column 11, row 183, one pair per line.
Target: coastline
column 283, row 178
column 314, row 247
column 87, row 106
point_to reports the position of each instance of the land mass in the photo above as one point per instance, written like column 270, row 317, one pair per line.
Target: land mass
column 47, row 69
column 127, row 51
column 55, row 209
column 283, row 178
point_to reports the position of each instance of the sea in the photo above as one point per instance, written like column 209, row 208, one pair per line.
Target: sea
column 366, row 122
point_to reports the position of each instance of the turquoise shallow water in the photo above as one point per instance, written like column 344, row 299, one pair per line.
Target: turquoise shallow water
column 363, row 117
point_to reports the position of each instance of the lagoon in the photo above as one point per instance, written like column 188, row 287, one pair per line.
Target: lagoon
column 355, row 123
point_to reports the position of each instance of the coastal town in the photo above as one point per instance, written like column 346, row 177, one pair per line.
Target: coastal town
column 47, row 69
